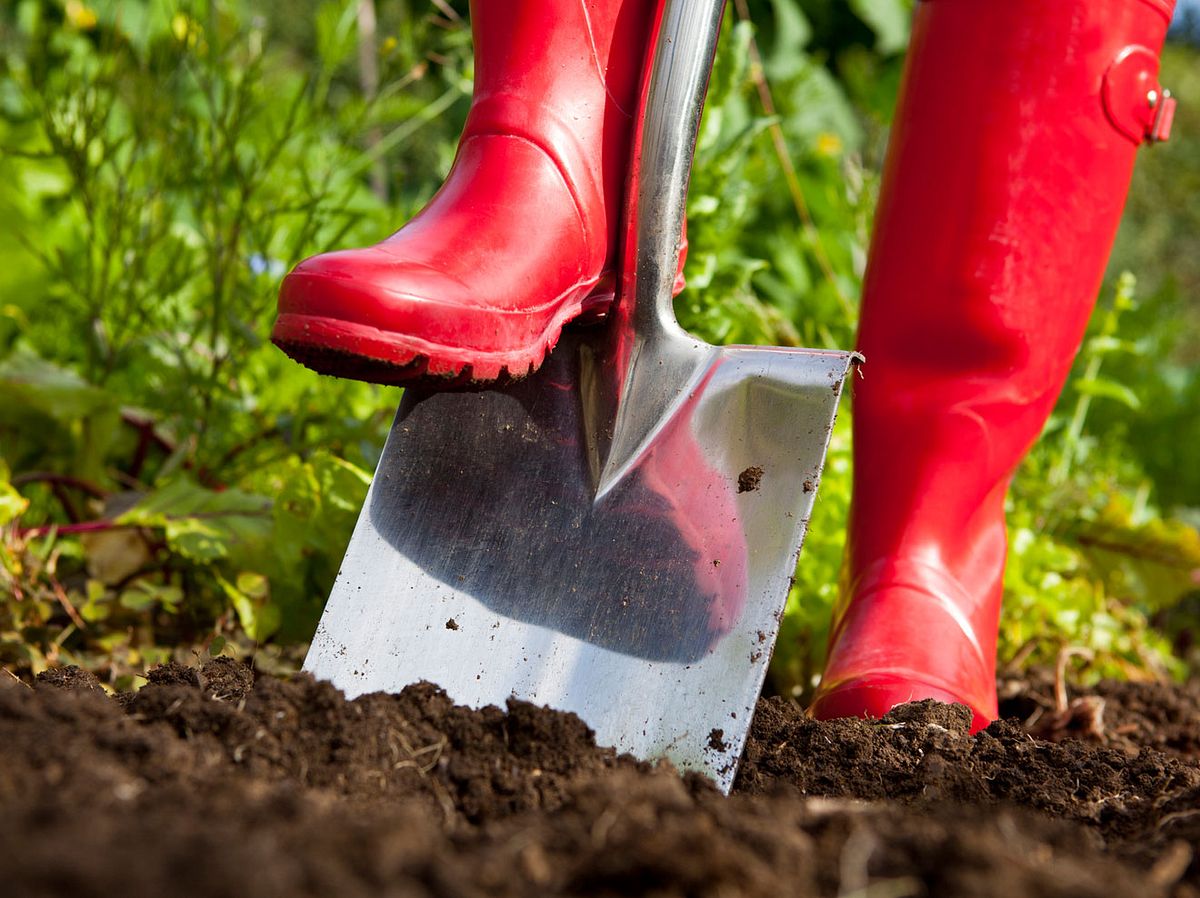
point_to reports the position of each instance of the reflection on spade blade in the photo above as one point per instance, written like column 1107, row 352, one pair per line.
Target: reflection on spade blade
column 655, row 569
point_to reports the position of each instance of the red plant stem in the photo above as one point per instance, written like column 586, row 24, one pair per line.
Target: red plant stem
column 145, row 437
column 148, row 436
column 84, row 486
column 106, row 524
column 68, row 529
column 146, row 425
column 64, row 499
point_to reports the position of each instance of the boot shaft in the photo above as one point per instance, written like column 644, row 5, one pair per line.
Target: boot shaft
column 564, row 74
column 1007, row 170
column 1006, row 175
column 560, row 49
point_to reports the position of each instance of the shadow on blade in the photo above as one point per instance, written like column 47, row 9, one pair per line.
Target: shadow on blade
column 492, row 495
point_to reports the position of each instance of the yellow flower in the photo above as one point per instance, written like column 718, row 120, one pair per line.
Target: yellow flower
column 80, row 16
column 828, row 144
column 389, row 44
column 14, row 312
column 186, row 31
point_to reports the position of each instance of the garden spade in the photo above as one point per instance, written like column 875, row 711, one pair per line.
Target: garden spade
column 615, row 535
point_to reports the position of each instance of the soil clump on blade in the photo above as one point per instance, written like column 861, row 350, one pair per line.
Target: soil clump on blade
column 214, row 781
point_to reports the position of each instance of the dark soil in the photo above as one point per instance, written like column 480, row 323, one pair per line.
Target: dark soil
column 211, row 781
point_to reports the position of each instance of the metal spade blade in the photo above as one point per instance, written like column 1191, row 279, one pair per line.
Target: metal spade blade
column 615, row 535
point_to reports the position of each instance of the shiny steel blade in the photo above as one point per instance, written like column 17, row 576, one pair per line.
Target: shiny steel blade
column 482, row 563
column 614, row 536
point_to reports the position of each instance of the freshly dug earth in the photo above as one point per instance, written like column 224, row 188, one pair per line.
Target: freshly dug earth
column 215, row 782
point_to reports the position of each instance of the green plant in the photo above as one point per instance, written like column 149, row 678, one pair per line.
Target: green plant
column 1091, row 560
column 186, row 479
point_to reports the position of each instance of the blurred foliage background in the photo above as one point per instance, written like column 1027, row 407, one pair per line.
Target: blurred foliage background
column 170, row 484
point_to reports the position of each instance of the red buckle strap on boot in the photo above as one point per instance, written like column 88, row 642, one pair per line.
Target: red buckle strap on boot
column 520, row 239
column 1006, row 175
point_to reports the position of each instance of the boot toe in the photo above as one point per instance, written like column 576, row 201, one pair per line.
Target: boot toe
column 371, row 286
column 484, row 278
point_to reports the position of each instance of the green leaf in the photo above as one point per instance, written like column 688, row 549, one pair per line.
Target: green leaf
column 335, row 32
column 97, row 607
column 259, row 618
column 197, row 539
column 12, row 503
column 889, row 19
column 253, row 586
column 27, row 381
column 146, row 595
column 183, row 499
column 792, row 34
column 1104, row 344
column 1108, row 389
column 200, row 524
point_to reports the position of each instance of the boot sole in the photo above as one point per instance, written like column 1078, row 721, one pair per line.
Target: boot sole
column 348, row 349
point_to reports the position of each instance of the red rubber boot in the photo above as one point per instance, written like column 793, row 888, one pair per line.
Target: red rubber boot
column 1006, row 174
column 520, row 239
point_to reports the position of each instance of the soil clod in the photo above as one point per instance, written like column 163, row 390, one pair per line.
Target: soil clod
column 211, row 781
column 750, row 479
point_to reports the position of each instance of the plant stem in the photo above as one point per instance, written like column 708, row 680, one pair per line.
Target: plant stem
column 1058, row 474
column 368, row 74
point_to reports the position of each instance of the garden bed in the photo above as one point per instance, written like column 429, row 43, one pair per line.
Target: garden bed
column 213, row 782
